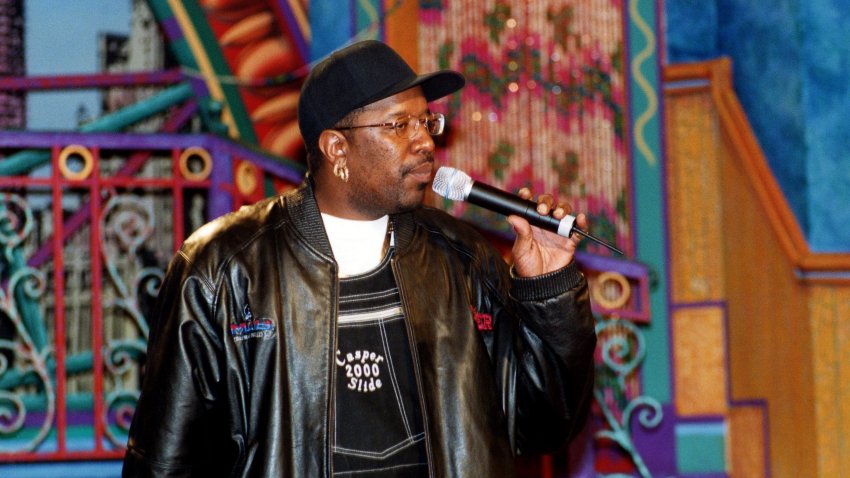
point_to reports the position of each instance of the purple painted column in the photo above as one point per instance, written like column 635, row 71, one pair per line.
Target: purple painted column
column 221, row 177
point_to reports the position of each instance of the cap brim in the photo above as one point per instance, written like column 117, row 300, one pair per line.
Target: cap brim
column 439, row 84
column 434, row 86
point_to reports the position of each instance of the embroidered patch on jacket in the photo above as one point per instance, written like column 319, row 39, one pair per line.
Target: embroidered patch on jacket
column 251, row 328
column 484, row 321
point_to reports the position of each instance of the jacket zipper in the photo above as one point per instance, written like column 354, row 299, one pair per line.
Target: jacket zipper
column 416, row 368
column 332, row 378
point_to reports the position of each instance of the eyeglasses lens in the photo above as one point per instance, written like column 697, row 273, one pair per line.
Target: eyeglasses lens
column 408, row 128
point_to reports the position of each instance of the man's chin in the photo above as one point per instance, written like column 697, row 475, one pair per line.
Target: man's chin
column 413, row 201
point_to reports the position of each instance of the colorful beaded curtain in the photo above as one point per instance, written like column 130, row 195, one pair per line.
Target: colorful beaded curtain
column 544, row 105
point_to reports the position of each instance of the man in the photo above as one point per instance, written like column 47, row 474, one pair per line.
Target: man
column 344, row 330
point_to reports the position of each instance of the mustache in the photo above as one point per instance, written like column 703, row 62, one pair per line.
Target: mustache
column 427, row 158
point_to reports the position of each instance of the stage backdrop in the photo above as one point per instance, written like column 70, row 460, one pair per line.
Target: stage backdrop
column 562, row 97
column 544, row 105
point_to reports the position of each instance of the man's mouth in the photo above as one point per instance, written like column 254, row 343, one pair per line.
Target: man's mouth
column 422, row 173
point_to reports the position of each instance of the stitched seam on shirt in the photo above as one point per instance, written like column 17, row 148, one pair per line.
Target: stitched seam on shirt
column 369, row 296
column 393, row 378
column 371, row 470
column 381, row 455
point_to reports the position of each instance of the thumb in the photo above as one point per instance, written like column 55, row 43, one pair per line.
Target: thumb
column 521, row 227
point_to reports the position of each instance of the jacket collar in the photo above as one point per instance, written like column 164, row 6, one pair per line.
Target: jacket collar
column 303, row 211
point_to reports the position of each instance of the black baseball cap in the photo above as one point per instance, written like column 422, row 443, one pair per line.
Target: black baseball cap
column 358, row 75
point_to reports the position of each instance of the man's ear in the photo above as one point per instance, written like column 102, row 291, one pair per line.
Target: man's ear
column 334, row 145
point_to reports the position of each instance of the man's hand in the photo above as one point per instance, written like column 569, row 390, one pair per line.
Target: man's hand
column 536, row 251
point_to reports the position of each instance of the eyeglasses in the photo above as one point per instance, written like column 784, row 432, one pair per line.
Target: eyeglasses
column 407, row 126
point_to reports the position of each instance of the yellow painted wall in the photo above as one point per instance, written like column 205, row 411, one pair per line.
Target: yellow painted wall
column 736, row 248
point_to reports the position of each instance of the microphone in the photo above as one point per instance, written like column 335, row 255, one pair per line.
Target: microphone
column 456, row 185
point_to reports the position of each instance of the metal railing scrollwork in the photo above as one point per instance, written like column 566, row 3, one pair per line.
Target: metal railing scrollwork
column 23, row 362
column 127, row 222
column 622, row 349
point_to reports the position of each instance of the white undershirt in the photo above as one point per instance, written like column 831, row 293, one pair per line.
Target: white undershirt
column 357, row 245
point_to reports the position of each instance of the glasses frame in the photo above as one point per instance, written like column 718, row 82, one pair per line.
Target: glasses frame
column 438, row 118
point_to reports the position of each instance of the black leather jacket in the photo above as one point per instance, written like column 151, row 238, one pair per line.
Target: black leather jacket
column 240, row 366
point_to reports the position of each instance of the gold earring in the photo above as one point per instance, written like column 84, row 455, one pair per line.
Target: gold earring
column 341, row 171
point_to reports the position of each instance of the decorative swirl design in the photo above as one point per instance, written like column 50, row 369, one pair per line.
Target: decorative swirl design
column 31, row 283
column 16, row 222
column 132, row 225
column 623, row 350
column 127, row 223
column 121, row 354
column 12, row 410
column 119, row 358
column 650, row 412
column 650, row 416
column 643, row 83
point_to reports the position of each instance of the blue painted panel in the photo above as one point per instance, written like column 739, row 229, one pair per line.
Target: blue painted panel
column 826, row 99
column 763, row 39
column 648, row 172
column 701, row 448
column 691, row 30
column 103, row 469
column 331, row 26
column 791, row 64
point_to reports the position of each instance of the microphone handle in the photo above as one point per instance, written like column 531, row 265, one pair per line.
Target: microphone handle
column 502, row 202
column 499, row 201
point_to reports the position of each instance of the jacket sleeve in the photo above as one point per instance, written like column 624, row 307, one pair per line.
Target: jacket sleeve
column 553, row 343
column 174, row 420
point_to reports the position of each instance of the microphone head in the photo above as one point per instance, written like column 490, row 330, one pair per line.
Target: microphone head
column 452, row 183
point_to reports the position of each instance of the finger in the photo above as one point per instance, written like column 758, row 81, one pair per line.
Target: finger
column 524, row 193
column 582, row 222
column 521, row 227
column 561, row 210
column 544, row 203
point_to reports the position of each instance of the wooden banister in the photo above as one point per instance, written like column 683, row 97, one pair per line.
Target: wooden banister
column 736, row 127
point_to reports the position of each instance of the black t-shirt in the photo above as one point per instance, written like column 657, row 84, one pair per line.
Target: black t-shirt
column 379, row 430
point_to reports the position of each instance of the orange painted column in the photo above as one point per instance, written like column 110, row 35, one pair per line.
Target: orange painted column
column 401, row 29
